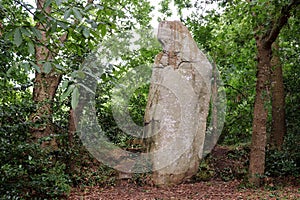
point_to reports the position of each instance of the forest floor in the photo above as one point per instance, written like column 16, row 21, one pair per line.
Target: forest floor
column 222, row 161
column 216, row 190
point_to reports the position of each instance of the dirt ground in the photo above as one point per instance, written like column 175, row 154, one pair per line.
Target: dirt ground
column 225, row 162
column 217, row 190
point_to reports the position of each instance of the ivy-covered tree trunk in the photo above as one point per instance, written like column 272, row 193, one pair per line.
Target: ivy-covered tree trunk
column 278, row 101
column 45, row 83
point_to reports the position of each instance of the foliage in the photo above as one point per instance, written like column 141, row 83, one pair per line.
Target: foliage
column 89, row 172
column 229, row 41
column 205, row 171
column 51, row 182
column 290, row 58
column 26, row 170
column 226, row 163
column 136, row 108
column 73, row 30
column 228, row 37
column 281, row 163
column 138, row 103
column 126, row 82
column 287, row 162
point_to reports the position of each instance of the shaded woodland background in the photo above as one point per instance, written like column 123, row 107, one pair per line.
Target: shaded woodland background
column 255, row 45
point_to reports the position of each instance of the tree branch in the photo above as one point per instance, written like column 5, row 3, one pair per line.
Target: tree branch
column 281, row 21
column 239, row 91
column 24, row 6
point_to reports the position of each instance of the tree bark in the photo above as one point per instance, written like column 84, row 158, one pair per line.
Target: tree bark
column 45, row 86
column 259, row 134
column 278, row 101
column 71, row 133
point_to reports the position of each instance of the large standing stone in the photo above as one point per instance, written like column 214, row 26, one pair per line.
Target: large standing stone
column 177, row 106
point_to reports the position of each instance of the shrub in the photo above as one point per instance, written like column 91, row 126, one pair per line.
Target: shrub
column 26, row 169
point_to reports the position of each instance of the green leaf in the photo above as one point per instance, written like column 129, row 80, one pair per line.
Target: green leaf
column 74, row 74
column 65, row 84
column 18, row 37
column 113, row 26
column 77, row 14
column 53, row 27
column 103, row 30
column 37, row 68
column 86, row 32
column 67, row 14
column 39, row 16
column 47, row 3
column 67, row 93
column 31, row 49
column 58, row 66
column 88, row 7
column 64, row 25
column 47, row 67
column 75, row 98
column 10, row 70
column 36, row 33
column 24, row 31
column 26, row 67
column 95, row 35
column 90, row 44
column 80, row 74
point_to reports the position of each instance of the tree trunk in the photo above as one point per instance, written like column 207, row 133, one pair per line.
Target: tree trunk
column 45, row 86
column 71, row 133
column 264, row 51
column 259, row 135
column 278, row 101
